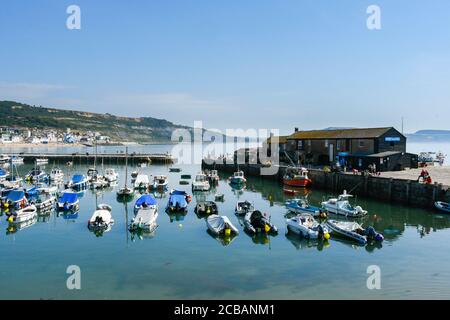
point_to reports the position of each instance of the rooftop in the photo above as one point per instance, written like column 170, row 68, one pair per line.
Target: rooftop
column 360, row 133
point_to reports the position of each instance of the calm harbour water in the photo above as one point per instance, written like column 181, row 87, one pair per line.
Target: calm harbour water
column 182, row 261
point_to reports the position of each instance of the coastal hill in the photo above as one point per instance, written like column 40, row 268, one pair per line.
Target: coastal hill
column 144, row 129
column 430, row 136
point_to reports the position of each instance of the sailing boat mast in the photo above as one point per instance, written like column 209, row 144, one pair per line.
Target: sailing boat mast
column 126, row 167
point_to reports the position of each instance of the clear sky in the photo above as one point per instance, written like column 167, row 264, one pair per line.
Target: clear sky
column 234, row 63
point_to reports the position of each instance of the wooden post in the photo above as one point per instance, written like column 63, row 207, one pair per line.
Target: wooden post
column 408, row 191
column 366, row 182
column 390, row 189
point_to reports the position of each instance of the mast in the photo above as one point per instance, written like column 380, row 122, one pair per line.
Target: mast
column 126, row 166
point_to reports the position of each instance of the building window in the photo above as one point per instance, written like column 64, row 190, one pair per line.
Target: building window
column 326, row 143
column 361, row 143
column 309, row 143
column 301, row 145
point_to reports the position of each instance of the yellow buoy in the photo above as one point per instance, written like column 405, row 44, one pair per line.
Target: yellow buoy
column 10, row 219
column 6, row 205
column 326, row 236
column 266, row 228
column 227, row 232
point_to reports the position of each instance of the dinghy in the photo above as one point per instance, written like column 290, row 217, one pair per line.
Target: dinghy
column 146, row 200
column 101, row 219
column 68, row 201
column 206, row 208
column 442, row 206
column 257, row 222
column 221, row 225
column 306, row 226
column 243, row 207
column 145, row 218
column 22, row 215
column 342, row 206
column 354, row 231
column 302, row 206
column 111, row 175
column 178, row 201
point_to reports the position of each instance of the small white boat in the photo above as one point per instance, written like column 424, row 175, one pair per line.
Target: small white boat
column 134, row 175
column 41, row 160
column 341, row 206
column 56, row 175
column 4, row 158
column 36, row 175
column 16, row 160
column 238, row 178
column 125, row 191
column 145, row 218
column 354, row 231
column 257, row 222
column 99, row 182
column 213, row 177
column 102, row 218
column 160, row 182
column 22, row 215
column 200, row 183
column 111, row 175
column 306, row 226
column 221, row 225
column 142, row 181
column 92, row 174
column 45, row 203
column 442, row 206
column 206, row 208
column 243, row 207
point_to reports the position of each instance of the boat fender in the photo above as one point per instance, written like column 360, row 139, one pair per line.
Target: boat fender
column 379, row 237
column 11, row 219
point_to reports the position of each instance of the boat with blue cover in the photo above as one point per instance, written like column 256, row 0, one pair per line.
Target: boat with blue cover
column 354, row 231
column 16, row 199
column 178, row 201
column 78, row 182
column 300, row 206
column 145, row 200
column 68, row 201
column 146, row 213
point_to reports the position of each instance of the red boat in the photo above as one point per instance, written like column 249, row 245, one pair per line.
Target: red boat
column 297, row 177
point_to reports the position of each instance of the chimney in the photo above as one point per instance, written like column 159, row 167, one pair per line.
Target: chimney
column 296, row 129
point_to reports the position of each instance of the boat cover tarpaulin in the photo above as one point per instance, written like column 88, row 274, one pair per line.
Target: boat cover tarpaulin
column 68, row 197
column 178, row 198
column 16, row 195
column 218, row 223
column 147, row 199
column 177, row 192
column 2, row 172
column 78, row 178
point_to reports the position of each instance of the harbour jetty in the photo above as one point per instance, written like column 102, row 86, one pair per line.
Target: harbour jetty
column 384, row 188
column 113, row 158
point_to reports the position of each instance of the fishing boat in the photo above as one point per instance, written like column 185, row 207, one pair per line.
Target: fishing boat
column 296, row 177
column 56, row 175
column 22, row 215
column 257, row 222
column 307, row 227
column 101, row 219
column 36, row 174
column 213, row 177
column 68, row 201
column 142, row 182
column 145, row 200
column 206, row 208
column 238, row 178
column 243, row 207
column 160, row 182
column 3, row 174
column 16, row 199
column 44, row 202
column 354, row 231
column 302, row 206
column 178, row 201
column 78, row 182
column 4, row 158
column 221, row 226
column 111, row 175
column 442, row 206
column 146, row 213
column 200, row 183
column 342, row 206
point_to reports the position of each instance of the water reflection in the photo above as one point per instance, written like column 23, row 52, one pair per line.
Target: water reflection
column 223, row 240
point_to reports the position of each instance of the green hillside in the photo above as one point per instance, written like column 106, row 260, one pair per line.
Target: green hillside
column 143, row 129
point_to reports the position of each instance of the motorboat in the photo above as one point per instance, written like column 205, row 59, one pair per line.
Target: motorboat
column 427, row 157
column 42, row 188
column 16, row 199
column 442, row 206
column 56, row 175
column 302, row 206
column 296, row 177
column 206, row 208
column 99, row 182
column 44, row 202
column 213, row 177
column 22, row 215
column 145, row 217
column 221, row 226
column 134, row 175
column 178, row 201
column 354, row 231
column 36, row 174
column 40, row 161
column 243, row 207
column 142, row 182
column 101, row 219
column 307, row 227
column 238, row 178
column 92, row 174
column 257, row 222
column 68, row 201
column 146, row 200
column 4, row 158
column 16, row 160
column 342, row 206
column 200, row 183
column 111, row 175
column 160, row 182
column 78, row 182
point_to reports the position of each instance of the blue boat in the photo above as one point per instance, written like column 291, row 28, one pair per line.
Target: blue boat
column 78, row 182
column 3, row 174
column 146, row 200
column 299, row 206
column 68, row 202
column 177, row 201
column 16, row 199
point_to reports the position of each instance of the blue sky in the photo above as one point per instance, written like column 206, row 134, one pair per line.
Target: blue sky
column 247, row 63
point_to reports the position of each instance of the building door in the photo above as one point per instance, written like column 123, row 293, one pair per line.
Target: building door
column 331, row 152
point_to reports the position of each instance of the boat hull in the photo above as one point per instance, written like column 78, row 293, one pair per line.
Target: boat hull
column 297, row 183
